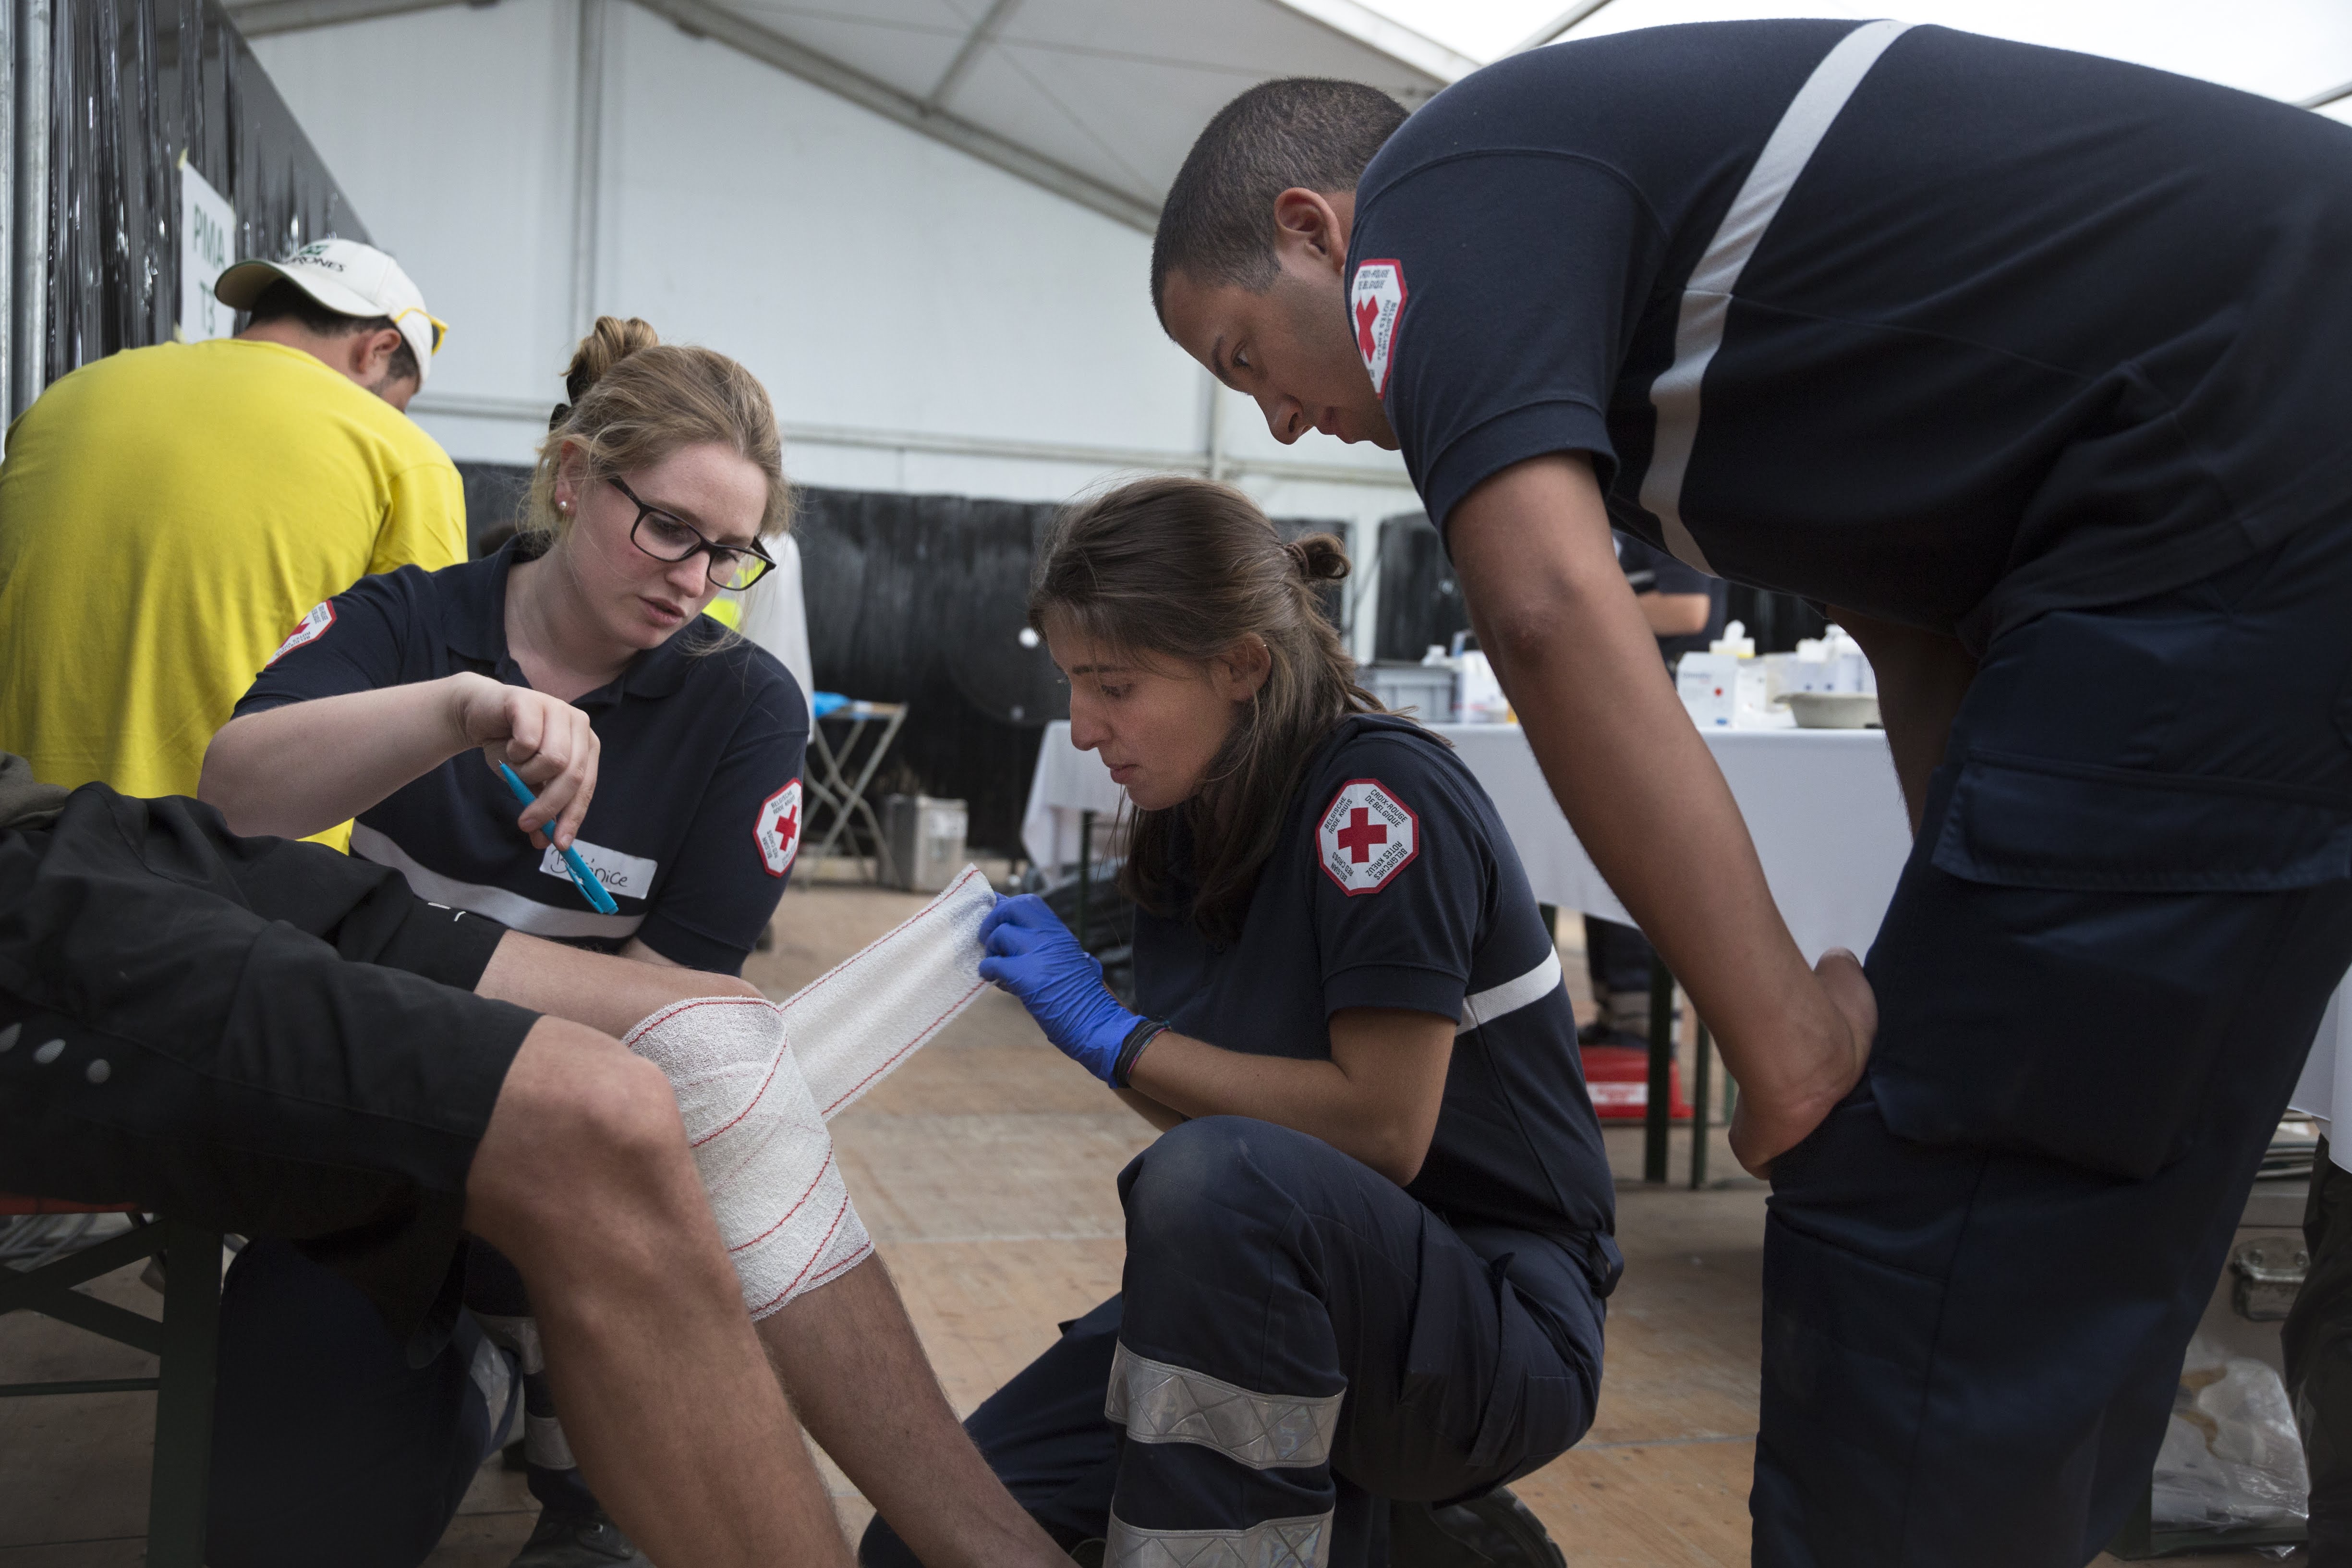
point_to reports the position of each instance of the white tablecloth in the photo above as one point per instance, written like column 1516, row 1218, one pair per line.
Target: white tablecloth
column 1822, row 806
column 1067, row 782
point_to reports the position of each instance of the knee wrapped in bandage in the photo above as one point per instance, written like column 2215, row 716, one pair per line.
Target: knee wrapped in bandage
column 756, row 1082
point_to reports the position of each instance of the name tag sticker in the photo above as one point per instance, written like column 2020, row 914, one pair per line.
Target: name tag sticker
column 623, row 876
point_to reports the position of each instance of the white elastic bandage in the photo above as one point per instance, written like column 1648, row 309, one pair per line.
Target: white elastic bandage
column 756, row 1083
column 866, row 1014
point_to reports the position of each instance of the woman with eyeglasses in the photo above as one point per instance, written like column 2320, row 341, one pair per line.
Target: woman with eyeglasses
column 663, row 749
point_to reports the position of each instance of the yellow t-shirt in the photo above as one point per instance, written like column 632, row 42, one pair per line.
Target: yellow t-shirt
column 167, row 516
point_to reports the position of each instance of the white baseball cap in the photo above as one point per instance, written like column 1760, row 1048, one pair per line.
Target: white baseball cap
column 351, row 278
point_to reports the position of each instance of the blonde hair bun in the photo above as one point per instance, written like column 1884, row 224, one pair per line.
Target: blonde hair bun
column 608, row 343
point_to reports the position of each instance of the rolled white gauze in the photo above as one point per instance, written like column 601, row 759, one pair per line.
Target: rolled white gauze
column 756, row 1083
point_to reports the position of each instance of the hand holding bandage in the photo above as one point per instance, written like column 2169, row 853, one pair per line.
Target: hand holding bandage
column 1032, row 954
column 757, row 1081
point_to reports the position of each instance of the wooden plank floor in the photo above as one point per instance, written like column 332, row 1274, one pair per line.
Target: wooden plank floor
column 984, row 1169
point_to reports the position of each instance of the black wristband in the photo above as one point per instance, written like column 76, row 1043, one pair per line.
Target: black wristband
column 1143, row 1033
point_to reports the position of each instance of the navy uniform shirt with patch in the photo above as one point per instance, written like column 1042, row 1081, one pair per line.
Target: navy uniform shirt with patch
column 1393, row 885
column 1945, row 329
column 696, row 814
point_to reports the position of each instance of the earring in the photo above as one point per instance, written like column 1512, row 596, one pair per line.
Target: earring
column 563, row 506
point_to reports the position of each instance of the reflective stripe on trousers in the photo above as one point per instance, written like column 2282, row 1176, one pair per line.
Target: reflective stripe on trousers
column 1275, row 1543
column 1158, row 1403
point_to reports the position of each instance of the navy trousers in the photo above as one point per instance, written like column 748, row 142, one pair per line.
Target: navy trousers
column 1298, row 1342
column 328, row 1446
column 317, row 1394
column 2130, row 901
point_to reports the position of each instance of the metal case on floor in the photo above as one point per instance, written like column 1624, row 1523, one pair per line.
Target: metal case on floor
column 926, row 839
column 2261, row 1272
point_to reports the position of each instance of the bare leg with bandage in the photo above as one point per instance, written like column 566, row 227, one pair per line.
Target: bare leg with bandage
column 755, row 1083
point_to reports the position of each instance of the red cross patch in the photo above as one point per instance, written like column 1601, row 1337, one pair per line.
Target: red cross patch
column 309, row 629
column 1374, row 301
column 778, row 829
column 1367, row 835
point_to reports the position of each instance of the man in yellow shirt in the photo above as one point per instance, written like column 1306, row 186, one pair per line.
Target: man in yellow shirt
column 170, row 515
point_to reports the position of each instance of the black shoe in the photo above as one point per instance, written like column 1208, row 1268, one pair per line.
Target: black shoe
column 578, row 1541
column 1495, row 1528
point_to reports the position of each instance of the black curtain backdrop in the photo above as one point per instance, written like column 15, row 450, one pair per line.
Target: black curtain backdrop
column 133, row 86
column 922, row 600
column 1422, row 603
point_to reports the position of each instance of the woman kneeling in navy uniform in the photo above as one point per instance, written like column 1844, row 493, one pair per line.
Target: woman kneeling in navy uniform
column 1366, row 1261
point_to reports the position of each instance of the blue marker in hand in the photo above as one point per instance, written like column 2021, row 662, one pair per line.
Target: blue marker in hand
column 579, row 868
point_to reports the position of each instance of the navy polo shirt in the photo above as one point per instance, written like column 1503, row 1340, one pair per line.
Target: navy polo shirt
column 1393, row 885
column 1948, row 330
column 696, row 814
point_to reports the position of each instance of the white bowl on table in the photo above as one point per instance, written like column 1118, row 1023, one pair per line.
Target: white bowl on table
column 1835, row 709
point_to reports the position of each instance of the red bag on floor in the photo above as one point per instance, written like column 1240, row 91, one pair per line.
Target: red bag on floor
column 1618, row 1079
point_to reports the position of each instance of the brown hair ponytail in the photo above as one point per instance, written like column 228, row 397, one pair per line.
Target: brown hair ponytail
column 1184, row 569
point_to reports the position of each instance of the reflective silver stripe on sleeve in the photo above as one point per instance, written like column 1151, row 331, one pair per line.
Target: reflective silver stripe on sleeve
column 507, row 909
column 1161, row 1404
column 1485, row 1007
column 1277, row 1543
column 1706, row 299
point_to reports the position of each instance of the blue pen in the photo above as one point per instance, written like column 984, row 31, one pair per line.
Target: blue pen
column 579, row 868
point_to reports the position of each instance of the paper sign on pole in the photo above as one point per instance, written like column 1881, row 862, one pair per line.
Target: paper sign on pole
column 208, row 233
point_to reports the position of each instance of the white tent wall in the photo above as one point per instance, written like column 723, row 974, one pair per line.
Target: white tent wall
column 925, row 323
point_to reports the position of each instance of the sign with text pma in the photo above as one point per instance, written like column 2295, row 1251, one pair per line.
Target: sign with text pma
column 207, row 235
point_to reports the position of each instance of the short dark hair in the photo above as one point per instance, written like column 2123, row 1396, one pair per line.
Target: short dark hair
column 1217, row 224
column 285, row 298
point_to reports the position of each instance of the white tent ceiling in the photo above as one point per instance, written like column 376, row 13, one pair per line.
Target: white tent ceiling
column 1099, row 101
column 1114, row 91
column 2299, row 50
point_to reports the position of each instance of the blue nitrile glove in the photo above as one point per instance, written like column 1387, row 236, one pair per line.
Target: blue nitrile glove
column 1032, row 954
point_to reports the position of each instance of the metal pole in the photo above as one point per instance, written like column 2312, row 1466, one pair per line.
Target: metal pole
column 28, row 250
column 1086, row 872
column 1214, row 449
column 1700, row 1073
column 1658, row 1112
column 9, row 30
column 587, row 168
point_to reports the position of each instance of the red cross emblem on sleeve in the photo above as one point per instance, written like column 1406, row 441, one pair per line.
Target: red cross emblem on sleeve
column 1376, row 298
column 778, row 829
column 309, row 629
column 1366, row 835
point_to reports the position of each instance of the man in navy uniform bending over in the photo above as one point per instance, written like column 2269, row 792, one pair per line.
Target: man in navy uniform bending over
column 2028, row 363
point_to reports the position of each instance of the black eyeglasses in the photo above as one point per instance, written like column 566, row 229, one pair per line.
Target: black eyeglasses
column 667, row 538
